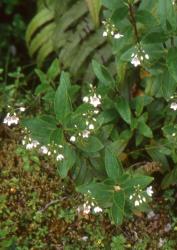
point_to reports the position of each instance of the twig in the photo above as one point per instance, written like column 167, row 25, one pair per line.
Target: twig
column 50, row 204
column 133, row 22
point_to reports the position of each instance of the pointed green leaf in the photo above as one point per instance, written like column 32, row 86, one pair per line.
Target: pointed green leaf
column 66, row 164
column 113, row 165
column 62, row 105
column 171, row 62
column 122, row 106
column 91, row 145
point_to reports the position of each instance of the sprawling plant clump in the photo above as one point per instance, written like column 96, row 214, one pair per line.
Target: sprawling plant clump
column 112, row 135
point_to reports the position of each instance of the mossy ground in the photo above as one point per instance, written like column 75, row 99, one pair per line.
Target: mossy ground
column 38, row 210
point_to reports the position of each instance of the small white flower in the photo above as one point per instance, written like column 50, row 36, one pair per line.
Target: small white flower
column 112, row 33
column 35, row 143
column 44, row 150
column 11, row 119
column 137, row 203
column 23, row 142
column 150, row 215
column 91, row 126
column 141, row 58
column 105, row 34
column 147, row 56
column 161, row 242
column 96, row 111
column 85, row 133
column 85, row 238
column 144, row 199
column 60, row 146
column 173, row 106
column 149, row 191
column 49, row 153
column 29, row 146
column 85, row 99
column 22, row 109
column 95, row 101
column 97, row 209
column 135, row 60
column 173, row 134
column 86, row 208
column 131, row 197
column 87, row 123
column 118, row 35
column 72, row 138
column 60, row 157
column 167, row 227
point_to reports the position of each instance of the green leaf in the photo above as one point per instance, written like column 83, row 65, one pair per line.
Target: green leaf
column 94, row 8
column 53, row 70
column 101, row 192
column 113, row 165
column 91, row 145
column 169, row 179
column 102, row 73
column 62, row 105
column 135, row 180
column 171, row 62
column 67, row 163
column 155, row 37
column 117, row 214
column 40, row 129
column 119, row 199
column 145, row 17
column 122, row 106
column 57, row 136
column 144, row 129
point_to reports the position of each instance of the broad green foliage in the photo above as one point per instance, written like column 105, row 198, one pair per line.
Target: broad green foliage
column 107, row 128
column 71, row 30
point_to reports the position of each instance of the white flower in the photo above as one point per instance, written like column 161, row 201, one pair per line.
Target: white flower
column 161, row 242
column 91, row 126
column 85, row 133
column 72, row 138
column 137, row 203
column 144, row 199
column 135, row 60
column 167, row 227
column 147, row 56
column 86, row 208
column 150, row 215
column 60, row 157
column 118, row 35
column 95, row 101
column 23, row 142
column 105, row 33
column 173, row 134
column 29, row 146
column 149, row 191
column 131, row 197
column 11, row 119
column 96, row 111
column 44, row 150
column 173, row 106
column 85, row 238
column 85, row 99
column 97, row 209
column 22, row 109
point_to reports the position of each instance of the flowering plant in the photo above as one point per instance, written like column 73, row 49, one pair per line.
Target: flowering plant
column 97, row 133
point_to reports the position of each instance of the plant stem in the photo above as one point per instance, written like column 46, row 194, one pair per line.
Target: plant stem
column 133, row 22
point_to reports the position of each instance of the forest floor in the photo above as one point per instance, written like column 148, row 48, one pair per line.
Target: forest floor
column 38, row 210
